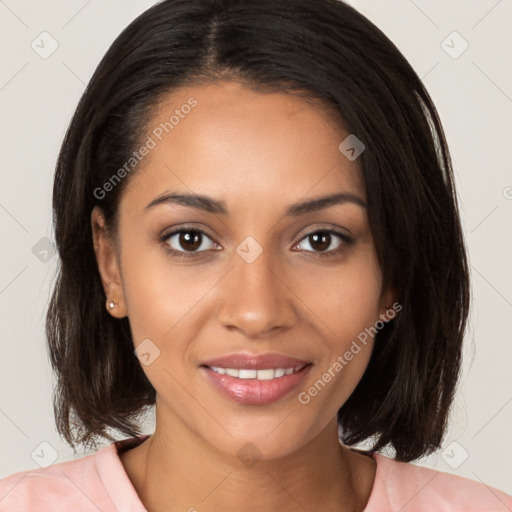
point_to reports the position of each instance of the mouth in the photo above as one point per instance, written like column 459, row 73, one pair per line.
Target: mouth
column 255, row 380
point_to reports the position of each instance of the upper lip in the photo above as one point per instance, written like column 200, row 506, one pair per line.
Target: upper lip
column 255, row 362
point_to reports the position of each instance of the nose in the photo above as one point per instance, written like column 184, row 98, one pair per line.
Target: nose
column 257, row 298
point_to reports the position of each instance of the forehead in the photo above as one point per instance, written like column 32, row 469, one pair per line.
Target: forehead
column 241, row 145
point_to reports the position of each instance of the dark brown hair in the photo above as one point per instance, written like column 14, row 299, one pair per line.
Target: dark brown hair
column 330, row 51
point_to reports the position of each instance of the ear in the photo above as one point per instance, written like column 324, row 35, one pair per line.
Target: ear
column 389, row 310
column 108, row 263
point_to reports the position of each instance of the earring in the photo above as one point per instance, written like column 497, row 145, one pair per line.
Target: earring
column 111, row 304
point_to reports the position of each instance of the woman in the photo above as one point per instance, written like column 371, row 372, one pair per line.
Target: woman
column 255, row 212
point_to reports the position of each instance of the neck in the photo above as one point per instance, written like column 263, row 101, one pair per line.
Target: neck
column 174, row 470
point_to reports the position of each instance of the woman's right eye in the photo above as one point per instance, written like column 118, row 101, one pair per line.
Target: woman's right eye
column 186, row 242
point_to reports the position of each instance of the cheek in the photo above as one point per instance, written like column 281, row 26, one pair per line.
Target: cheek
column 349, row 300
column 161, row 296
column 148, row 287
column 349, row 307
column 347, row 352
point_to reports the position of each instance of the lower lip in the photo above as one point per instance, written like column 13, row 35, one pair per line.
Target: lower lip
column 254, row 391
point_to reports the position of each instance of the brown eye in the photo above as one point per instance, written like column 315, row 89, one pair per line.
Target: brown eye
column 187, row 241
column 321, row 240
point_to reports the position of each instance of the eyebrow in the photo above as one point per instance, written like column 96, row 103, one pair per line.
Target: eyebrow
column 210, row 205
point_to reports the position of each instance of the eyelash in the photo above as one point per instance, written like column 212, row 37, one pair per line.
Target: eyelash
column 347, row 242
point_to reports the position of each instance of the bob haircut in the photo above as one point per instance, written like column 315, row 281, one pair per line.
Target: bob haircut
column 318, row 49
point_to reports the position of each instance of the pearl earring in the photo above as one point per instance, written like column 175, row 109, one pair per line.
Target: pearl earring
column 111, row 304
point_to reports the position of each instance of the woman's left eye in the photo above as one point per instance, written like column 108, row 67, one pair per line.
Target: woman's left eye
column 323, row 238
column 192, row 241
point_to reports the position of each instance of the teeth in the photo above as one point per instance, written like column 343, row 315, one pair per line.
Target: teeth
column 266, row 374
column 244, row 373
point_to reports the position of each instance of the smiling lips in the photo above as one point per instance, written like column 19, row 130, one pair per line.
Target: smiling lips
column 255, row 380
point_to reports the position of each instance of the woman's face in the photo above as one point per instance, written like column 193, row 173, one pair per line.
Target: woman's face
column 261, row 280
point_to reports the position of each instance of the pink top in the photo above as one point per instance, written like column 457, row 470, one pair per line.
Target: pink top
column 98, row 482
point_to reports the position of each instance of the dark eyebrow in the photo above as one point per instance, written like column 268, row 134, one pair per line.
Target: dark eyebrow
column 319, row 203
column 211, row 205
column 198, row 202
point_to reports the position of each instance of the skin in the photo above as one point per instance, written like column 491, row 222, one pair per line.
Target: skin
column 259, row 153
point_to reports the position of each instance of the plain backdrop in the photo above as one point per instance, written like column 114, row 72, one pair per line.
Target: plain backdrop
column 462, row 49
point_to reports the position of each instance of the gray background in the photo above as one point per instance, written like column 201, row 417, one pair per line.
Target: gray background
column 472, row 88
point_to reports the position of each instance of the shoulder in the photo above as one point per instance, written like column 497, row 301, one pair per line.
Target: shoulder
column 71, row 485
column 408, row 487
